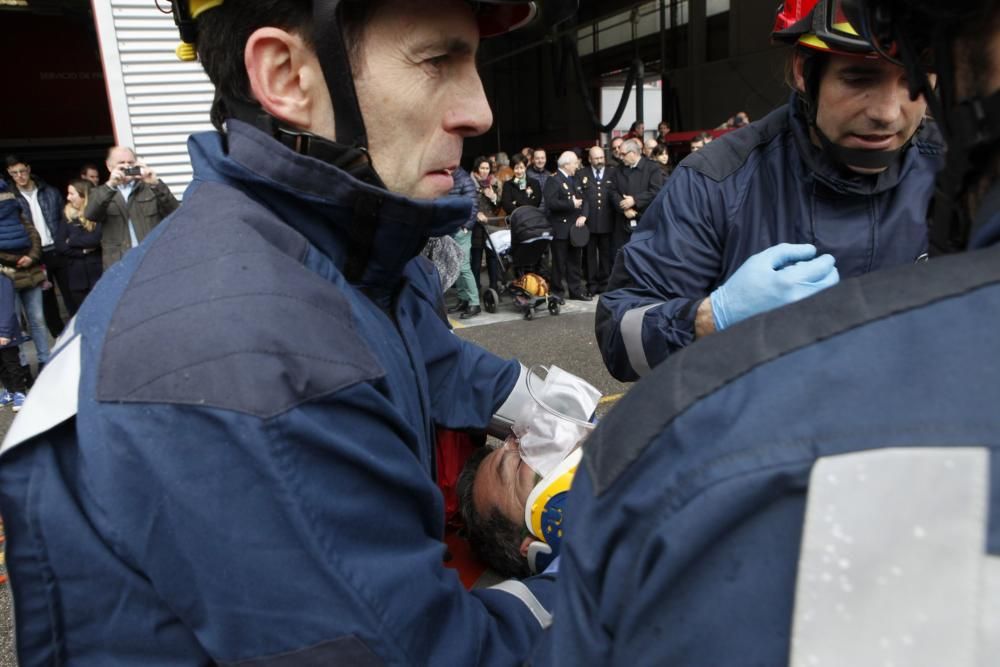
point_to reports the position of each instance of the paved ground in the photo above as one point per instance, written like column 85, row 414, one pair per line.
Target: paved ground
column 566, row 340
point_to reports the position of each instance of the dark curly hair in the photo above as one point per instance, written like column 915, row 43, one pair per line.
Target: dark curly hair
column 494, row 538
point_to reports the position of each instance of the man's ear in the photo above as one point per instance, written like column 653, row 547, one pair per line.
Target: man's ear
column 798, row 69
column 286, row 79
column 525, row 543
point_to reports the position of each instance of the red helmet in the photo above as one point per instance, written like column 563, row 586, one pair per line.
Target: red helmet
column 820, row 25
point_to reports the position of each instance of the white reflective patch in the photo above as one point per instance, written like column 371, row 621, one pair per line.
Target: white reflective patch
column 893, row 569
column 68, row 334
column 989, row 649
column 53, row 398
column 631, row 330
column 524, row 594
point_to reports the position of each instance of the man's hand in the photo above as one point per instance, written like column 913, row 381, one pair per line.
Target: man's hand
column 627, row 203
column 481, row 217
column 581, row 221
column 774, row 277
column 25, row 262
column 117, row 177
column 148, row 175
column 4, row 341
column 631, row 214
column 577, row 202
column 704, row 321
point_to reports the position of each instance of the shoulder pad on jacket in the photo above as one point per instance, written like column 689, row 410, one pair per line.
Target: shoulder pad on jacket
column 243, row 325
column 725, row 155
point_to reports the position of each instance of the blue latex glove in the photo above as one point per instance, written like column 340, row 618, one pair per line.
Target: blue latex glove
column 774, row 277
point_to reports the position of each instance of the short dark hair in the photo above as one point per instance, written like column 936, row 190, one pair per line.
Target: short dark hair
column 517, row 159
column 12, row 160
column 224, row 30
column 494, row 538
column 479, row 160
column 87, row 167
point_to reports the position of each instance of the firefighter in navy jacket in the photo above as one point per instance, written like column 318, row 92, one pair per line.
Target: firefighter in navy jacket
column 820, row 484
column 833, row 185
column 230, row 458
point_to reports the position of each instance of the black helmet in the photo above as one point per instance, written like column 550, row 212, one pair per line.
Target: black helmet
column 920, row 35
column 495, row 17
column 350, row 149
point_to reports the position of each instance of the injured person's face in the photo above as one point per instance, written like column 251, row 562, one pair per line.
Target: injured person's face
column 504, row 482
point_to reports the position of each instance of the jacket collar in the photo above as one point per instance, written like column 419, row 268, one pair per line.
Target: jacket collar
column 320, row 201
column 841, row 179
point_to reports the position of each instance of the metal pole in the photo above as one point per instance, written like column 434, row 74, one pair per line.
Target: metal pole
column 641, row 70
column 664, row 84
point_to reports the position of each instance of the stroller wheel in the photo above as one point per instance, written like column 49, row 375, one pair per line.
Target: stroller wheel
column 553, row 306
column 490, row 300
column 529, row 314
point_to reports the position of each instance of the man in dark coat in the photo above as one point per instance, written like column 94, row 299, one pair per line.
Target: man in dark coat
column 566, row 207
column 128, row 206
column 597, row 181
column 636, row 185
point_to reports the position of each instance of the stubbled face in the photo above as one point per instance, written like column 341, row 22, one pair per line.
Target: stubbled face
column 864, row 103
column 520, row 170
column 630, row 158
column 539, row 158
column 21, row 174
column 596, row 156
column 92, row 176
column 420, row 93
column 73, row 197
column 504, row 481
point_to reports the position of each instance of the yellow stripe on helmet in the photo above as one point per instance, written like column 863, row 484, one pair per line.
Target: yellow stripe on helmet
column 199, row 7
column 189, row 52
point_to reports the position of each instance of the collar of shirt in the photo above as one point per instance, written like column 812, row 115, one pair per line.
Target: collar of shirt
column 126, row 189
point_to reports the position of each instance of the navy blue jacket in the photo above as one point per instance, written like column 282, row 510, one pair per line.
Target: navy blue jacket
column 82, row 250
column 49, row 200
column 710, row 520
column 747, row 191
column 230, row 457
column 10, row 324
column 465, row 188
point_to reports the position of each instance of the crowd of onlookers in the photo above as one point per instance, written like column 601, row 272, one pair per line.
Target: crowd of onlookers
column 55, row 244
column 604, row 190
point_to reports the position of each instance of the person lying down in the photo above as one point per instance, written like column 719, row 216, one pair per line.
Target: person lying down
column 512, row 497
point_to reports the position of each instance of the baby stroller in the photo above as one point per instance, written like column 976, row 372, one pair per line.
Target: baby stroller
column 527, row 242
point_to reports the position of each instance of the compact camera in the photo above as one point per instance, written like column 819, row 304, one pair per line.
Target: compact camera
column 132, row 171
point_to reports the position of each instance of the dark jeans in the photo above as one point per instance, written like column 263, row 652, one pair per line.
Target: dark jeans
column 492, row 267
column 12, row 374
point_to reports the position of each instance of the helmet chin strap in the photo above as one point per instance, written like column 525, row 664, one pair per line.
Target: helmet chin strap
column 858, row 157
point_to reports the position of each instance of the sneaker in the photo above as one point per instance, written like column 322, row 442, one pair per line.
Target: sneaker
column 18, row 401
column 6, row 398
